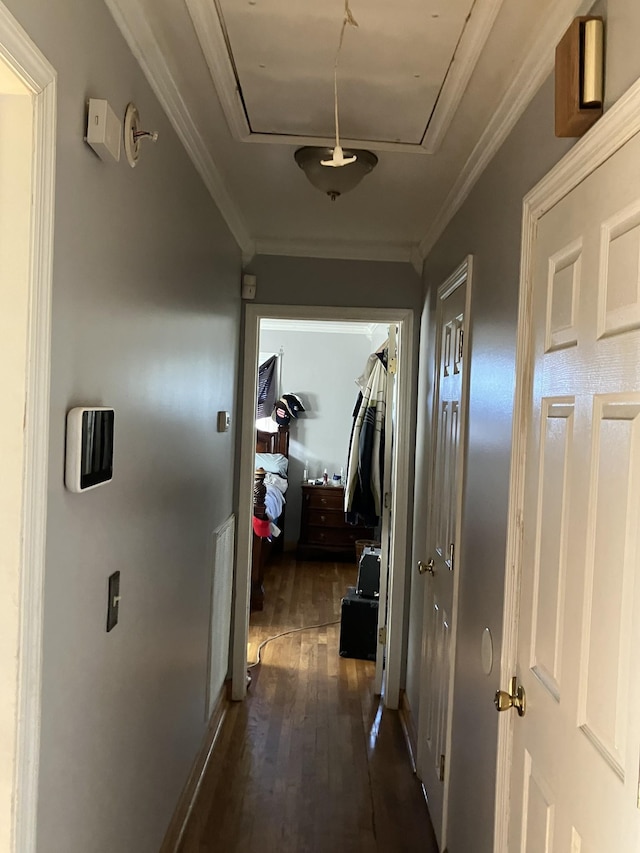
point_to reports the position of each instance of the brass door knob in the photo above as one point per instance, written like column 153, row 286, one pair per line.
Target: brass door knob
column 423, row 568
column 517, row 698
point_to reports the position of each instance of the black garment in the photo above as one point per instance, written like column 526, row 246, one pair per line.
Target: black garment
column 266, row 387
column 366, row 451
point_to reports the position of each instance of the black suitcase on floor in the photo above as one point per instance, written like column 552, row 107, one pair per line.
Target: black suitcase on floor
column 358, row 626
column 368, row 584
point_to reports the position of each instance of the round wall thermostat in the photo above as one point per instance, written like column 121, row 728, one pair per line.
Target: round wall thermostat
column 133, row 136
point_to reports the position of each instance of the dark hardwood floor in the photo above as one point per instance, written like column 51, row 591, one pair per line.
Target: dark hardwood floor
column 311, row 762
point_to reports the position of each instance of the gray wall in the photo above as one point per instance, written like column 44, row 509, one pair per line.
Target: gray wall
column 320, row 281
column 488, row 226
column 146, row 315
column 321, row 367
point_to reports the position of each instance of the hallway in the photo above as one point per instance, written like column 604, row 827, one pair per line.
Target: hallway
column 310, row 762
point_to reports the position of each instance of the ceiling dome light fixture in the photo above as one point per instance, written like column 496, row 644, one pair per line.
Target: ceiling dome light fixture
column 333, row 170
column 334, row 182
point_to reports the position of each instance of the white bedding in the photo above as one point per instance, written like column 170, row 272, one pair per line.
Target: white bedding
column 274, row 502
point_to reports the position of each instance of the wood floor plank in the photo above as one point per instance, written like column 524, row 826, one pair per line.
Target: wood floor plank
column 311, row 762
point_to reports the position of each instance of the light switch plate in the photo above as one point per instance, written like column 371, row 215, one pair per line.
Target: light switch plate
column 224, row 421
column 249, row 283
column 113, row 607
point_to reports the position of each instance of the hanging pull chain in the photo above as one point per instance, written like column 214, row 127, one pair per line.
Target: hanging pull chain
column 338, row 158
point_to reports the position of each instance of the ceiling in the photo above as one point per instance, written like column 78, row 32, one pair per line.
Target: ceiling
column 431, row 86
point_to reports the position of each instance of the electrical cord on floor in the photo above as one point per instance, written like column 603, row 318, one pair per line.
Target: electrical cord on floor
column 284, row 634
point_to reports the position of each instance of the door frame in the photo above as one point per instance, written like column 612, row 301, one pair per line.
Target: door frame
column 463, row 274
column 401, row 484
column 610, row 133
column 39, row 76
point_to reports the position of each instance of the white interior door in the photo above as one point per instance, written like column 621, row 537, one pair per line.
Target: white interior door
column 386, row 520
column 439, row 568
column 574, row 777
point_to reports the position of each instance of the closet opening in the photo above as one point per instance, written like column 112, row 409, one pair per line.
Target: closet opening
column 323, row 496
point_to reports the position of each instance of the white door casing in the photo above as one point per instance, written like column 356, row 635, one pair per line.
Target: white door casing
column 26, row 358
column 572, row 783
column 402, row 468
column 442, row 579
column 386, row 525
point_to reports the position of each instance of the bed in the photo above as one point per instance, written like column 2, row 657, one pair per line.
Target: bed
column 268, row 505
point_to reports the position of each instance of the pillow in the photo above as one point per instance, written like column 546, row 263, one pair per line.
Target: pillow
column 274, row 463
column 277, row 482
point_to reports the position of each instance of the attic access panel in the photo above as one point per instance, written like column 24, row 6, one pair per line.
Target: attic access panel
column 392, row 66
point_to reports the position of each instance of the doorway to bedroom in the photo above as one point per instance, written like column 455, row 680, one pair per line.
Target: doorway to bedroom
column 314, row 360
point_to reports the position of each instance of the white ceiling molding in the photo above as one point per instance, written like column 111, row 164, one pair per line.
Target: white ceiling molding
column 531, row 74
column 472, row 41
column 208, row 24
column 417, row 261
column 330, row 141
column 332, row 327
column 135, row 28
column 346, row 251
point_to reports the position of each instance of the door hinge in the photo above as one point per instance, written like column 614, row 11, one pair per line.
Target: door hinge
column 441, row 769
column 392, row 367
column 387, row 500
column 460, row 344
column 452, row 551
column 382, row 635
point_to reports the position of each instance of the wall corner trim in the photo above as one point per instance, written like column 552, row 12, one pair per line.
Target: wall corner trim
column 137, row 32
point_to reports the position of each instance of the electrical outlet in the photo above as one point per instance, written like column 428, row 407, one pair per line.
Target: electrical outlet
column 113, row 607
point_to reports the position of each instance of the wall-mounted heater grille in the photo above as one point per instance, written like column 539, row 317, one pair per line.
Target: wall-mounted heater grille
column 222, row 551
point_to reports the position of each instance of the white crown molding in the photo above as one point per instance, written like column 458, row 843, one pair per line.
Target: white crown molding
column 329, row 142
column 207, row 23
column 536, row 67
column 330, row 327
column 417, row 261
column 134, row 26
column 472, row 42
column 347, row 251
column 209, row 27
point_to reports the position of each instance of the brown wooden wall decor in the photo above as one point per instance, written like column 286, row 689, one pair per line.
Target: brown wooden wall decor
column 574, row 115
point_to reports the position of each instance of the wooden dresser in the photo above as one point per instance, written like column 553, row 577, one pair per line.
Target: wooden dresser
column 323, row 530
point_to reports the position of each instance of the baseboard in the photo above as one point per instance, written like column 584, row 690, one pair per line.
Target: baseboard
column 189, row 796
column 409, row 728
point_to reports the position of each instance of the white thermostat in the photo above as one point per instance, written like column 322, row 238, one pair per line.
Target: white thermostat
column 104, row 130
column 89, row 456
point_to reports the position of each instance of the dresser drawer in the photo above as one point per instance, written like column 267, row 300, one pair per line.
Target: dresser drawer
column 337, row 537
column 323, row 529
column 325, row 517
column 324, row 497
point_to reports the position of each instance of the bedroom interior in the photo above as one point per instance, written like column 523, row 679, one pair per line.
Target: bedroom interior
column 306, row 458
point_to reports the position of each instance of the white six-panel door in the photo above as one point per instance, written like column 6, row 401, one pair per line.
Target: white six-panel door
column 575, row 772
column 442, row 538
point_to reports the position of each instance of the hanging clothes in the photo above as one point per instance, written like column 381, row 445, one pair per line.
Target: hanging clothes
column 363, row 489
column 266, row 387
